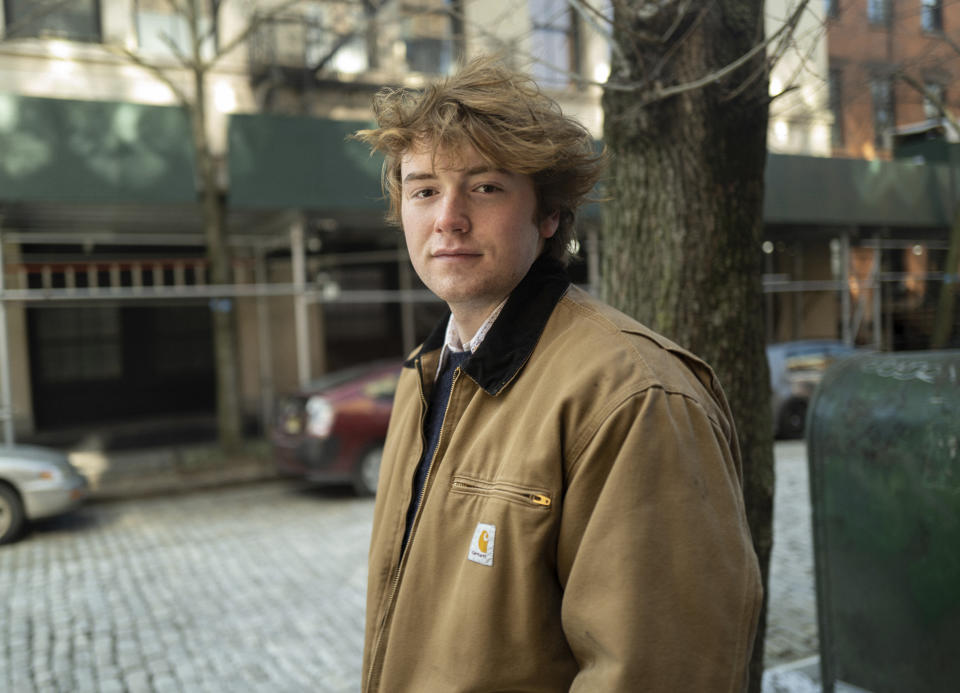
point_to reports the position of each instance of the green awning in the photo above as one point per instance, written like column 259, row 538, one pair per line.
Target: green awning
column 69, row 151
column 279, row 162
column 302, row 163
column 824, row 191
column 60, row 150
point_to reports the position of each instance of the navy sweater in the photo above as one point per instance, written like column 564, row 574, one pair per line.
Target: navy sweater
column 439, row 397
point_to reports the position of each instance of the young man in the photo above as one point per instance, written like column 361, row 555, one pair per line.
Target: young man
column 559, row 503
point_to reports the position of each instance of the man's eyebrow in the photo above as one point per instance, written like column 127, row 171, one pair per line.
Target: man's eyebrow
column 475, row 171
column 414, row 175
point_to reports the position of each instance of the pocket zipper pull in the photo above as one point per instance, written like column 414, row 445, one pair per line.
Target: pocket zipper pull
column 539, row 499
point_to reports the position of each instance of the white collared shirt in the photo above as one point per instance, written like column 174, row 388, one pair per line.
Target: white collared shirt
column 452, row 343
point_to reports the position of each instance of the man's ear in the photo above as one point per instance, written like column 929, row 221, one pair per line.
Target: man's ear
column 549, row 224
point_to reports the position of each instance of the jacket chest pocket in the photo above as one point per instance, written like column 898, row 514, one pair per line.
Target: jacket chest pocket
column 534, row 498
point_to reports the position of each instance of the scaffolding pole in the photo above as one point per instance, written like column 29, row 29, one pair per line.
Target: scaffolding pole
column 6, row 398
column 845, row 288
column 264, row 342
column 877, row 297
column 298, row 253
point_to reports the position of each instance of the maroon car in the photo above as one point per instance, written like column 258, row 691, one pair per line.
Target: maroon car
column 333, row 430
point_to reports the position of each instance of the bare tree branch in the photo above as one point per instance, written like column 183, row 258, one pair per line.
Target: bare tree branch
column 933, row 98
column 783, row 44
column 660, row 93
column 157, row 72
column 669, row 53
column 805, row 59
column 947, row 39
column 252, row 26
column 586, row 8
column 590, row 15
column 341, row 41
column 168, row 41
column 678, row 19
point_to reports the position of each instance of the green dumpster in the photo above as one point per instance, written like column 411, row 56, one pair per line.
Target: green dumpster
column 883, row 441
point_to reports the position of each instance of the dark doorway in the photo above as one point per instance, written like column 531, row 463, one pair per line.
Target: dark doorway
column 93, row 364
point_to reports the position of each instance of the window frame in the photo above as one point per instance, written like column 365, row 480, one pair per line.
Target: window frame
column 931, row 16
column 928, row 105
column 547, row 75
column 879, row 13
column 96, row 21
column 835, row 104
column 880, row 139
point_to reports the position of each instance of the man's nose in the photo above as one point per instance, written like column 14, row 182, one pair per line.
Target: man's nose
column 453, row 216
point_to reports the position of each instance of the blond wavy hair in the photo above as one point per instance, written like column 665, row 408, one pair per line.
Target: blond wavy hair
column 511, row 123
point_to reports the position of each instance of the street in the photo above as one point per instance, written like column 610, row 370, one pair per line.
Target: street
column 257, row 587
column 254, row 587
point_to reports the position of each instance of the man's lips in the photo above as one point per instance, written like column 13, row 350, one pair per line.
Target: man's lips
column 455, row 253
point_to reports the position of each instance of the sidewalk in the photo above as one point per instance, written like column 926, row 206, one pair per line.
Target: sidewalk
column 792, row 642
column 170, row 469
column 164, row 455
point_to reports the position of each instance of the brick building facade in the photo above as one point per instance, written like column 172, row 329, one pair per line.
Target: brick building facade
column 891, row 62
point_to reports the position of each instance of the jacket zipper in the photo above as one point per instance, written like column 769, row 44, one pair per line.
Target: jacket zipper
column 395, row 583
column 495, row 489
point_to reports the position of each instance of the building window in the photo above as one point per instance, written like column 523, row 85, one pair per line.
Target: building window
column 878, row 12
column 836, row 107
column 934, row 95
column 418, row 35
column 314, row 35
column 78, row 344
column 931, row 15
column 75, row 20
column 163, row 32
column 881, row 89
column 554, row 44
column 831, row 8
column 432, row 34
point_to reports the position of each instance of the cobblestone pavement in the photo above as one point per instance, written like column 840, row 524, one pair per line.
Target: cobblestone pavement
column 792, row 645
column 252, row 588
column 261, row 588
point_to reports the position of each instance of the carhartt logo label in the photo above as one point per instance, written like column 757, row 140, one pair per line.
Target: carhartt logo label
column 481, row 548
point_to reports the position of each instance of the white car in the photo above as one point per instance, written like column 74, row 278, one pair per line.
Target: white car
column 35, row 482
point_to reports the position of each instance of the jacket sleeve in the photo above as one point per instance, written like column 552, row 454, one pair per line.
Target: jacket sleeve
column 661, row 583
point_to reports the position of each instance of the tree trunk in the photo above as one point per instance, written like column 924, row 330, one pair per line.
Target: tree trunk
column 946, row 313
column 683, row 229
column 223, row 313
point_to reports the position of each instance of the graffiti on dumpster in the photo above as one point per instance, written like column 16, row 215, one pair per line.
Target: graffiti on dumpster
column 941, row 470
column 912, row 369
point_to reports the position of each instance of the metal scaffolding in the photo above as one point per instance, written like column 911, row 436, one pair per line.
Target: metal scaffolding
column 183, row 279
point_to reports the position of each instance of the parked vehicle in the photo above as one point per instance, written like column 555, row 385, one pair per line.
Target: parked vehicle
column 795, row 370
column 35, row 483
column 332, row 431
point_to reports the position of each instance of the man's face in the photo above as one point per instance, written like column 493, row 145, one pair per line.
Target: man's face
column 470, row 229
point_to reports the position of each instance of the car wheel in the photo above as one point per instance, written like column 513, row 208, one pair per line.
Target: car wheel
column 793, row 418
column 11, row 514
column 368, row 472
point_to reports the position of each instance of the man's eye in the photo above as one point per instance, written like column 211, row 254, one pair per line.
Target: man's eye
column 425, row 192
column 487, row 188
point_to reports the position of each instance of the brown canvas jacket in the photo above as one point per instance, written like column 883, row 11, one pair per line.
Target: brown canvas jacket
column 582, row 525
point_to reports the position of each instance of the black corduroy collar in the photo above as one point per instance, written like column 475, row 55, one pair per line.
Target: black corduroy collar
column 515, row 332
